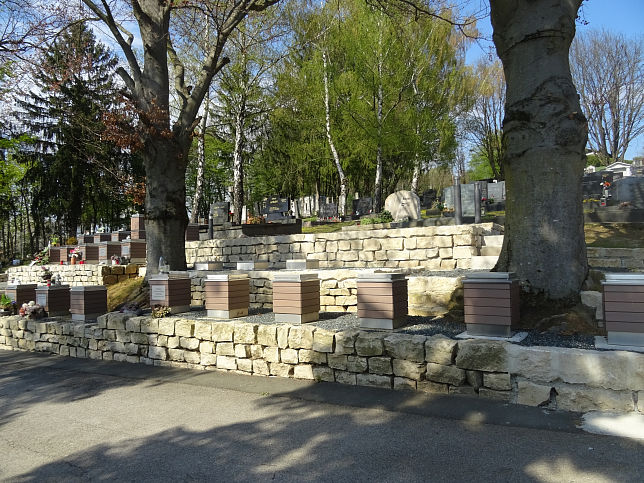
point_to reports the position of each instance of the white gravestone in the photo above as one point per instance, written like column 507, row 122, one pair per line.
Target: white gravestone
column 403, row 204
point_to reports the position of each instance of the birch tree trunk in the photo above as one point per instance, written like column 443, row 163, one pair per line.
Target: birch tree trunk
column 545, row 135
column 377, row 189
column 238, row 162
column 201, row 161
column 342, row 200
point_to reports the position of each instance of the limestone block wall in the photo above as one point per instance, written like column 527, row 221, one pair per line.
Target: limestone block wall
column 583, row 380
column 74, row 275
column 616, row 258
column 428, row 295
column 432, row 248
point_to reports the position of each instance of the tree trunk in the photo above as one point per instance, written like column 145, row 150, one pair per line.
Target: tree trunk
column 545, row 134
column 342, row 199
column 238, row 164
column 377, row 189
column 165, row 202
column 201, row 161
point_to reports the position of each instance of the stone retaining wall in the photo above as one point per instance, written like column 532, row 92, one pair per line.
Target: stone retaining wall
column 428, row 295
column 432, row 248
column 75, row 275
column 583, row 380
column 616, row 258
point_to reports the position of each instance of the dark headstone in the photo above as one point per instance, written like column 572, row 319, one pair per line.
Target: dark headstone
column 362, row 206
column 328, row 210
column 273, row 204
column 219, row 212
column 428, row 198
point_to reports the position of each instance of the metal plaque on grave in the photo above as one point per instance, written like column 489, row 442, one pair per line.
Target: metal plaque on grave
column 219, row 212
column 362, row 206
column 125, row 250
column 102, row 252
column 328, row 210
column 41, row 299
column 157, row 292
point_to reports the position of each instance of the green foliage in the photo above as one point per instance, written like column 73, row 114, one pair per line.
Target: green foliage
column 382, row 217
column 593, row 160
column 479, row 167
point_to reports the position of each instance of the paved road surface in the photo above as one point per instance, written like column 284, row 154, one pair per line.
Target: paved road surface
column 64, row 419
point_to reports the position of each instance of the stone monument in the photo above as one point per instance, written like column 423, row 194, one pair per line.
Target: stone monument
column 402, row 205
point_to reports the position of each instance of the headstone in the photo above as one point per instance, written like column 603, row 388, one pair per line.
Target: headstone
column 403, row 204
column 276, row 209
column 328, row 210
column 428, row 198
column 219, row 212
column 496, row 191
column 629, row 190
column 362, row 206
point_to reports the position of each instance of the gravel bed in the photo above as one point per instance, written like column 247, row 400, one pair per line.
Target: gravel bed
column 416, row 325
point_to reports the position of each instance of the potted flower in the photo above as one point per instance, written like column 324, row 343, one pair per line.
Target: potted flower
column 46, row 275
column 75, row 255
column 7, row 306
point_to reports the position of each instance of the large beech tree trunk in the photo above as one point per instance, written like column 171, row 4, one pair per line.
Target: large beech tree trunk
column 545, row 134
column 166, row 217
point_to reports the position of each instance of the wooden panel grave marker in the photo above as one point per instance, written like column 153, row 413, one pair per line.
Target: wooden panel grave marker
column 227, row 295
column 382, row 300
column 296, row 297
column 171, row 290
column 21, row 293
column 623, row 304
column 55, row 299
column 87, row 302
column 491, row 303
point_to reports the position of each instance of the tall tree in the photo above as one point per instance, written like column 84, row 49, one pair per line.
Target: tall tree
column 166, row 140
column 545, row 134
column 74, row 89
column 608, row 70
column 484, row 122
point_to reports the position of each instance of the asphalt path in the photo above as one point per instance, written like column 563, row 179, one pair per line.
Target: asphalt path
column 65, row 419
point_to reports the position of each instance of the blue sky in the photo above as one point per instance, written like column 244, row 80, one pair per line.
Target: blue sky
column 623, row 16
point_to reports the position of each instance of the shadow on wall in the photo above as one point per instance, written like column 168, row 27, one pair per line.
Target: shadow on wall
column 284, row 437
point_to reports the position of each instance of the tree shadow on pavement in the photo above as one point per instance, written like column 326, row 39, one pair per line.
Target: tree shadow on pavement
column 294, row 437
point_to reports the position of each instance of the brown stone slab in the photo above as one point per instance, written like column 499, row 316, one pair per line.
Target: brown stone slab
column 297, row 287
column 22, row 294
column 384, row 288
column 624, row 307
column 487, row 302
column 137, row 235
column 624, row 316
column 505, row 286
column 488, row 293
column 623, row 288
column 476, row 310
column 296, row 302
column 290, row 296
column 635, row 327
column 102, row 237
column 488, row 319
column 239, row 299
column 391, row 313
column 282, row 309
column 623, row 297
column 365, row 298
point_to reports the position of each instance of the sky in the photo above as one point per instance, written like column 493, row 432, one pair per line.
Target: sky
column 619, row 16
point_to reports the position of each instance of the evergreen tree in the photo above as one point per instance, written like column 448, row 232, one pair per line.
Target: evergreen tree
column 78, row 175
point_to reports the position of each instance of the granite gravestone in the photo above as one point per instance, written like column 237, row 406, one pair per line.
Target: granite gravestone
column 428, row 198
column 219, row 212
column 276, row 209
column 403, row 205
column 362, row 206
column 629, row 190
column 328, row 210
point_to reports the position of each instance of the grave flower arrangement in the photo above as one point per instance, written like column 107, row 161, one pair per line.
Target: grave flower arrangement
column 160, row 311
column 46, row 275
column 32, row 310
column 42, row 257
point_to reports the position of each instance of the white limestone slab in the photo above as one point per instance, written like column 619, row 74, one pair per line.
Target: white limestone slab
column 516, row 337
column 602, row 343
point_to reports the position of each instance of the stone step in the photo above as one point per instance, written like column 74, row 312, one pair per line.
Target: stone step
column 493, row 240
column 493, row 250
column 484, row 262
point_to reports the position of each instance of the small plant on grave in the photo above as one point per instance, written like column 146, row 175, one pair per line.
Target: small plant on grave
column 46, row 274
column 42, row 257
column 8, row 305
column 160, row 311
column 71, row 241
column 254, row 220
